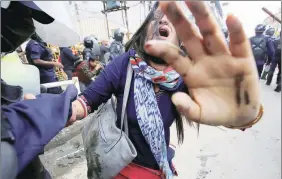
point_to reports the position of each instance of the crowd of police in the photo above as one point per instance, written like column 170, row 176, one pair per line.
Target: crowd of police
column 26, row 124
column 39, row 55
column 267, row 53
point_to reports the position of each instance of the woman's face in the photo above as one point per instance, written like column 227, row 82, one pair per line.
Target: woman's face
column 92, row 63
column 160, row 28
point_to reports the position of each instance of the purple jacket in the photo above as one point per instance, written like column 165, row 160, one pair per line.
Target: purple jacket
column 112, row 81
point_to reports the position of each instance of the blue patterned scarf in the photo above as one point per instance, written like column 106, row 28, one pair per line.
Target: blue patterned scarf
column 147, row 110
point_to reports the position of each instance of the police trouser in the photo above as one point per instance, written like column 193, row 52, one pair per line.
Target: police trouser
column 271, row 72
column 259, row 68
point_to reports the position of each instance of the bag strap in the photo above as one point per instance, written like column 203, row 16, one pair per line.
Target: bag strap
column 125, row 99
column 258, row 45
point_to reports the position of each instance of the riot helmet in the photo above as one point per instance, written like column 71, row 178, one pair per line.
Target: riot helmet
column 270, row 31
column 88, row 42
column 118, row 35
column 260, row 28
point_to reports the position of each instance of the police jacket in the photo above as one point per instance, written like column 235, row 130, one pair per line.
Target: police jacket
column 116, row 49
column 263, row 49
column 68, row 58
column 30, row 124
column 277, row 47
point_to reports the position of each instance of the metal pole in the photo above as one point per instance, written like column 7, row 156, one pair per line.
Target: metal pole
column 150, row 5
column 271, row 15
column 78, row 18
column 107, row 22
column 126, row 19
column 144, row 9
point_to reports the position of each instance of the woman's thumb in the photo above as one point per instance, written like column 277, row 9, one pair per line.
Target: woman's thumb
column 186, row 106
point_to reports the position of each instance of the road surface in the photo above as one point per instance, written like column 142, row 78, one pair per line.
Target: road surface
column 219, row 153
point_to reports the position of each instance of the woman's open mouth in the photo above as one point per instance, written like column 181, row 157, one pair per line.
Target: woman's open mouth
column 164, row 32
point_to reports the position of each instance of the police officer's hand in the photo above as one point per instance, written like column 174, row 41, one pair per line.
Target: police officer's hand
column 59, row 65
column 222, row 81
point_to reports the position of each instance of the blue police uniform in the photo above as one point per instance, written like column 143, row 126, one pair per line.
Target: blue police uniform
column 68, row 59
column 276, row 62
column 116, row 49
column 35, row 50
column 258, row 43
column 27, row 127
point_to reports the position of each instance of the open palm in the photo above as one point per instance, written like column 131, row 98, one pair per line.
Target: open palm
column 222, row 81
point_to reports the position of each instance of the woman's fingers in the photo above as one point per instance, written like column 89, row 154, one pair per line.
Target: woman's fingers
column 186, row 106
column 213, row 37
column 173, row 55
column 239, row 43
column 186, row 31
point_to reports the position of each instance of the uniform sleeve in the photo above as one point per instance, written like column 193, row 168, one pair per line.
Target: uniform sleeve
column 35, row 122
column 70, row 55
column 35, row 51
column 107, row 83
column 270, row 50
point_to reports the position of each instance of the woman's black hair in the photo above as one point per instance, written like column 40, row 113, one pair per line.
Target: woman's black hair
column 137, row 43
column 140, row 37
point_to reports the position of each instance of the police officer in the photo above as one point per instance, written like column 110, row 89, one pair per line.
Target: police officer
column 276, row 63
column 28, row 125
column 270, row 34
column 116, row 48
column 68, row 59
column 263, row 48
column 103, row 49
column 91, row 46
column 88, row 44
column 39, row 55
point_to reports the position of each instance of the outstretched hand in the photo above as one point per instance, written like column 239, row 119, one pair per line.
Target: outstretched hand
column 222, row 81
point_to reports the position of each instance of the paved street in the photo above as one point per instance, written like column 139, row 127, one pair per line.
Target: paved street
column 219, row 153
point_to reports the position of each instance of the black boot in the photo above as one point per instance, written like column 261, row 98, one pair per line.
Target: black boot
column 278, row 88
column 269, row 78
